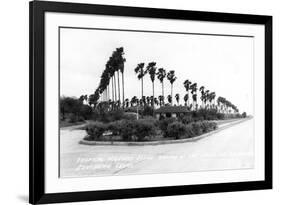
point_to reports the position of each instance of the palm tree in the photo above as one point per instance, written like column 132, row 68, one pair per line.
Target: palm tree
column 161, row 99
column 201, row 89
column 151, row 69
column 185, row 99
column 170, row 99
column 93, row 99
column 161, row 74
column 212, row 96
column 206, row 97
column 111, row 71
column 172, row 78
column 147, row 99
column 177, row 96
column 139, row 70
column 126, row 102
column 156, row 101
column 134, row 100
column 193, row 88
column 120, row 63
column 187, row 84
column 152, row 100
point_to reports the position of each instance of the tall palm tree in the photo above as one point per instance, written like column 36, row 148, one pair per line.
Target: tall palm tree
column 187, row 84
column 172, row 78
column 140, row 72
column 151, row 69
column 177, row 96
column 111, row 74
column 119, row 66
column 121, row 61
column 161, row 74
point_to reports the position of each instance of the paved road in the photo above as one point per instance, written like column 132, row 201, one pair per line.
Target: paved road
column 230, row 148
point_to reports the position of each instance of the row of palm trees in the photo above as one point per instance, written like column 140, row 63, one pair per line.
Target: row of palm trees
column 151, row 69
column 226, row 106
column 110, row 75
column 115, row 66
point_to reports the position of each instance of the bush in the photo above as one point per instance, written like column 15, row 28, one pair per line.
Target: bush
column 72, row 118
column 144, row 129
column 110, row 116
column 186, row 119
column 130, row 116
column 149, row 119
column 197, row 128
column 175, row 130
column 163, row 124
column 127, row 129
column 135, row 130
column 95, row 130
column 189, row 131
column 86, row 111
column 244, row 114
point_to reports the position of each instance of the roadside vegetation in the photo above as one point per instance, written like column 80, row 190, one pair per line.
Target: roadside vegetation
column 147, row 129
column 109, row 115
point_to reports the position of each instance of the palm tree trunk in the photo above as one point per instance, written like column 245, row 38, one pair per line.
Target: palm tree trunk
column 163, row 91
column 188, row 98
column 115, row 91
column 141, row 88
column 123, row 89
column 153, row 94
column 172, row 93
column 108, row 92
column 112, row 90
column 118, row 86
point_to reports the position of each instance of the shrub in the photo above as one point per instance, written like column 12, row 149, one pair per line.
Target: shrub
column 175, row 130
column 130, row 116
column 163, row 124
column 80, row 119
column 244, row 114
column 189, row 131
column 149, row 119
column 95, row 130
column 127, row 129
column 110, row 116
column 144, row 129
column 135, row 130
column 197, row 128
column 86, row 111
column 186, row 119
column 114, row 127
column 72, row 118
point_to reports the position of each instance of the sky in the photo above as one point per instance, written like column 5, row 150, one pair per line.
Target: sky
column 222, row 64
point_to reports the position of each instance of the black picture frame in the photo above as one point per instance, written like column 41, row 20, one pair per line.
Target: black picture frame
column 37, row 194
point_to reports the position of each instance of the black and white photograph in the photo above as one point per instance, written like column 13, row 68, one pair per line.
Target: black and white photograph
column 130, row 102
column 134, row 102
